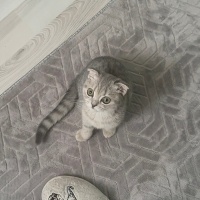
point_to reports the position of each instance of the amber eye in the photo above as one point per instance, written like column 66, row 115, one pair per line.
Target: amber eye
column 106, row 100
column 90, row 92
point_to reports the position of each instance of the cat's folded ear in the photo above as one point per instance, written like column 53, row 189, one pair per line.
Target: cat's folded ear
column 121, row 87
column 93, row 74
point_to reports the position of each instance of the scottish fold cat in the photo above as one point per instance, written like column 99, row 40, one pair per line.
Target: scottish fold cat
column 102, row 91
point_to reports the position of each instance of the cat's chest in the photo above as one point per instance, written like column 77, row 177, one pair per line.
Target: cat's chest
column 101, row 119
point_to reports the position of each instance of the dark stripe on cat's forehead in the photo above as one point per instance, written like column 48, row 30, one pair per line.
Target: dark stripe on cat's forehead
column 104, row 83
column 102, row 86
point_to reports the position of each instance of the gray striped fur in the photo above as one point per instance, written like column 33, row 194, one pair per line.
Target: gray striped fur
column 110, row 70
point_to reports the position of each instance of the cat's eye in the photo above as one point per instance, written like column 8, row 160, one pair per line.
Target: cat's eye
column 106, row 100
column 90, row 92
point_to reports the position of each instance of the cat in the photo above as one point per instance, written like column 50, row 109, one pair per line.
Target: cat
column 102, row 90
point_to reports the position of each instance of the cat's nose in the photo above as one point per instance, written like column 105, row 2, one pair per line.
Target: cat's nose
column 94, row 104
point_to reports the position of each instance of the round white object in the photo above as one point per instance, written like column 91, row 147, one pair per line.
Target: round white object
column 71, row 188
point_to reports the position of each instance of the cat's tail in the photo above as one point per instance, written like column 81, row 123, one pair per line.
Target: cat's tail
column 63, row 108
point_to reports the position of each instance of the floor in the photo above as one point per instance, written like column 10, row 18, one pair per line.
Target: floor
column 155, row 154
column 21, row 20
column 31, row 30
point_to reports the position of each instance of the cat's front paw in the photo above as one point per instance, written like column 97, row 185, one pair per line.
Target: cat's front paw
column 109, row 133
column 81, row 136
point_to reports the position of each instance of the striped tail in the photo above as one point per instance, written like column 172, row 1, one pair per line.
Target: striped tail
column 63, row 108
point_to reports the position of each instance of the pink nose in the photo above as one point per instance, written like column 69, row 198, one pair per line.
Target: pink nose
column 94, row 105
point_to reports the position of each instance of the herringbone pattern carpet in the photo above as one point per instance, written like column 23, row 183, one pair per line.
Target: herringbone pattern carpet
column 156, row 153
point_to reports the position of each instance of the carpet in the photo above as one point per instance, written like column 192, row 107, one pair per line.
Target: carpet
column 155, row 154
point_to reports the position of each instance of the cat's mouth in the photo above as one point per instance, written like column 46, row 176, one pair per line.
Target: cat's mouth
column 96, row 109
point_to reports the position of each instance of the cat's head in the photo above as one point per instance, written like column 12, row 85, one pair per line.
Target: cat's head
column 103, row 91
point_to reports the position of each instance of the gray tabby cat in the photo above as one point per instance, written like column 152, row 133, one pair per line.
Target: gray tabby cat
column 102, row 91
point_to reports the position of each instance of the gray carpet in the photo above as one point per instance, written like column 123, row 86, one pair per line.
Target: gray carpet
column 156, row 152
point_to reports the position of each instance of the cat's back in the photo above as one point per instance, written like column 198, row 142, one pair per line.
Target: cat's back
column 106, row 64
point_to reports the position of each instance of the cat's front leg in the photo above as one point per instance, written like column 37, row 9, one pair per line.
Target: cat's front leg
column 84, row 134
column 109, row 133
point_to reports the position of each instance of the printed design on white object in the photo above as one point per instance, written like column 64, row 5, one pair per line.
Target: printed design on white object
column 70, row 193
